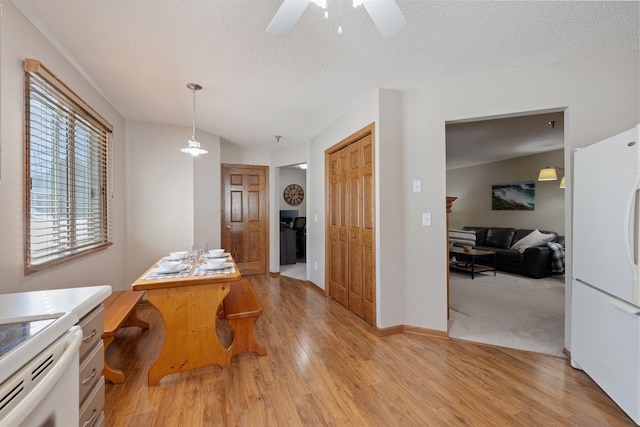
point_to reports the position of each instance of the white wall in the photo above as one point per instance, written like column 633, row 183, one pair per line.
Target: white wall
column 20, row 40
column 173, row 199
column 601, row 96
column 235, row 154
column 472, row 187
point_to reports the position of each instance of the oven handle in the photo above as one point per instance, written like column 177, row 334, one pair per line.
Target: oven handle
column 71, row 341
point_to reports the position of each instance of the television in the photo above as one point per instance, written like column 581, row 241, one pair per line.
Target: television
column 287, row 216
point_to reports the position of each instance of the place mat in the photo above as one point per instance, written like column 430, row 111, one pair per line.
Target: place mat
column 155, row 273
column 228, row 270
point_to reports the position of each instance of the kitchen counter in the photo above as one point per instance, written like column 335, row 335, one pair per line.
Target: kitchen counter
column 79, row 301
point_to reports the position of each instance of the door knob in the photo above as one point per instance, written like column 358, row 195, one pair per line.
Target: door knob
column 228, row 227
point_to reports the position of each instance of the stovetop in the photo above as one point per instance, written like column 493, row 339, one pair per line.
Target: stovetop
column 24, row 338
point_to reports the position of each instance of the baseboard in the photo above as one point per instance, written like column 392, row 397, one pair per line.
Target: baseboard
column 426, row 332
column 274, row 273
column 566, row 352
column 383, row 332
column 398, row 329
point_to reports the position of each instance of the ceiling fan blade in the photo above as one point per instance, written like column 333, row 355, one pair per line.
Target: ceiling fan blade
column 386, row 15
column 286, row 17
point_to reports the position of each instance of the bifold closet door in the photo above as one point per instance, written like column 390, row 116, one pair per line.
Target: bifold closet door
column 351, row 227
column 338, row 242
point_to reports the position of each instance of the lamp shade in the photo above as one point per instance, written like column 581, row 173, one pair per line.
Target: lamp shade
column 194, row 148
column 562, row 183
column 547, row 174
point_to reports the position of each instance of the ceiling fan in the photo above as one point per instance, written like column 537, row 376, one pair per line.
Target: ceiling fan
column 385, row 14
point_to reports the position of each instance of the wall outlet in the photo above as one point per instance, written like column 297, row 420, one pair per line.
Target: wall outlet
column 426, row 218
column 417, row 186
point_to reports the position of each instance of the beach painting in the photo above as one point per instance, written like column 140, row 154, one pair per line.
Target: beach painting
column 513, row 196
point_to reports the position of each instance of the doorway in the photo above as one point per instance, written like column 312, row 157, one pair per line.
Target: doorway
column 481, row 153
column 245, row 216
column 292, row 208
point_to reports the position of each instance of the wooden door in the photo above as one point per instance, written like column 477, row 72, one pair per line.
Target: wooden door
column 338, row 230
column 351, row 223
column 367, row 228
column 245, row 223
column 356, row 279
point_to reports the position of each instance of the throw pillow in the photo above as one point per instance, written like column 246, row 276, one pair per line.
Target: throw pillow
column 535, row 238
column 462, row 237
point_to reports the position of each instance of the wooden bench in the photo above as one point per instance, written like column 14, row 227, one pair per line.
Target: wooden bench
column 119, row 312
column 241, row 310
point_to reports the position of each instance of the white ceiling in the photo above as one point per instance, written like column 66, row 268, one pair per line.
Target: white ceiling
column 477, row 142
column 140, row 55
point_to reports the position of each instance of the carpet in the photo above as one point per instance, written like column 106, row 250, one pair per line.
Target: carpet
column 508, row 311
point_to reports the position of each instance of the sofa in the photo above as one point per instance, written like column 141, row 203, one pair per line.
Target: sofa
column 527, row 252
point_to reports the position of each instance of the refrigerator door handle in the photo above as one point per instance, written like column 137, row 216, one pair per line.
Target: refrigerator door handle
column 633, row 223
column 626, row 307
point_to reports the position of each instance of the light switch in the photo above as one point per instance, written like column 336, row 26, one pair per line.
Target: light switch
column 426, row 218
column 417, row 186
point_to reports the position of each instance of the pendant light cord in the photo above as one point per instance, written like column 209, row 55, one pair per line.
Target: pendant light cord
column 193, row 132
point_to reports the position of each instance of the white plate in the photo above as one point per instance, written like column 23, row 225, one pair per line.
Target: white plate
column 168, row 262
column 221, row 256
column 179, row 254
column 170, row 268
column 215, row 253
column 211, row 267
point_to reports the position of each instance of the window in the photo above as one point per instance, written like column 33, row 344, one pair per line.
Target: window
column 67, row 172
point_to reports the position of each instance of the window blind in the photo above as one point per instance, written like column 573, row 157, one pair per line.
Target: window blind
column 67, row 170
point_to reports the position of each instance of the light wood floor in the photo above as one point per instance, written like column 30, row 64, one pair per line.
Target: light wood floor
column 325, row 366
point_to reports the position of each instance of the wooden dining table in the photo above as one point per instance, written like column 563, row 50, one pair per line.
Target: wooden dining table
column 189, row 305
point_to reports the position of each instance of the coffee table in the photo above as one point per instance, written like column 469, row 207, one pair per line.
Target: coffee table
column 468, row 261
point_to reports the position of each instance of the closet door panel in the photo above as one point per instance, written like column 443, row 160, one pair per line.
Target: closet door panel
column 367, row 229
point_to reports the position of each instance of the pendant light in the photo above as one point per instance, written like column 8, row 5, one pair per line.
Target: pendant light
column 194, row 146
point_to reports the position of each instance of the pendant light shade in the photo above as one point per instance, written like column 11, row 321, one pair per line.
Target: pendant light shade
column 548, row 174
column 194, row 146
column 563, row 183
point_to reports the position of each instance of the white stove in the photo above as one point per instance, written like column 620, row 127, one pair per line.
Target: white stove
column 39, row 360
column 21, row 339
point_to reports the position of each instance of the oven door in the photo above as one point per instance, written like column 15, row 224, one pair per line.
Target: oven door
column 44, row 392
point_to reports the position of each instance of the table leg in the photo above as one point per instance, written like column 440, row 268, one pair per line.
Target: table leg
column 191, row 340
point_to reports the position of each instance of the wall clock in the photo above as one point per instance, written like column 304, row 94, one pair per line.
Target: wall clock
column 293, row 194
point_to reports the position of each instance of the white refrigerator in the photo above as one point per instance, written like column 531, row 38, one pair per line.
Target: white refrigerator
column 605, row 313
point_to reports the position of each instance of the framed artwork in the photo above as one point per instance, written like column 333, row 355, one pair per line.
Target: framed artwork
column 513, row 196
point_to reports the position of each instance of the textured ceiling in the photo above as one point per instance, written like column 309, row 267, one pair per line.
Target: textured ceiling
column 140, row 55
column 485, row 141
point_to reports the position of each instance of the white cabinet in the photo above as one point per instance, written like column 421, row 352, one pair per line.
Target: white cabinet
column 91, row 381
